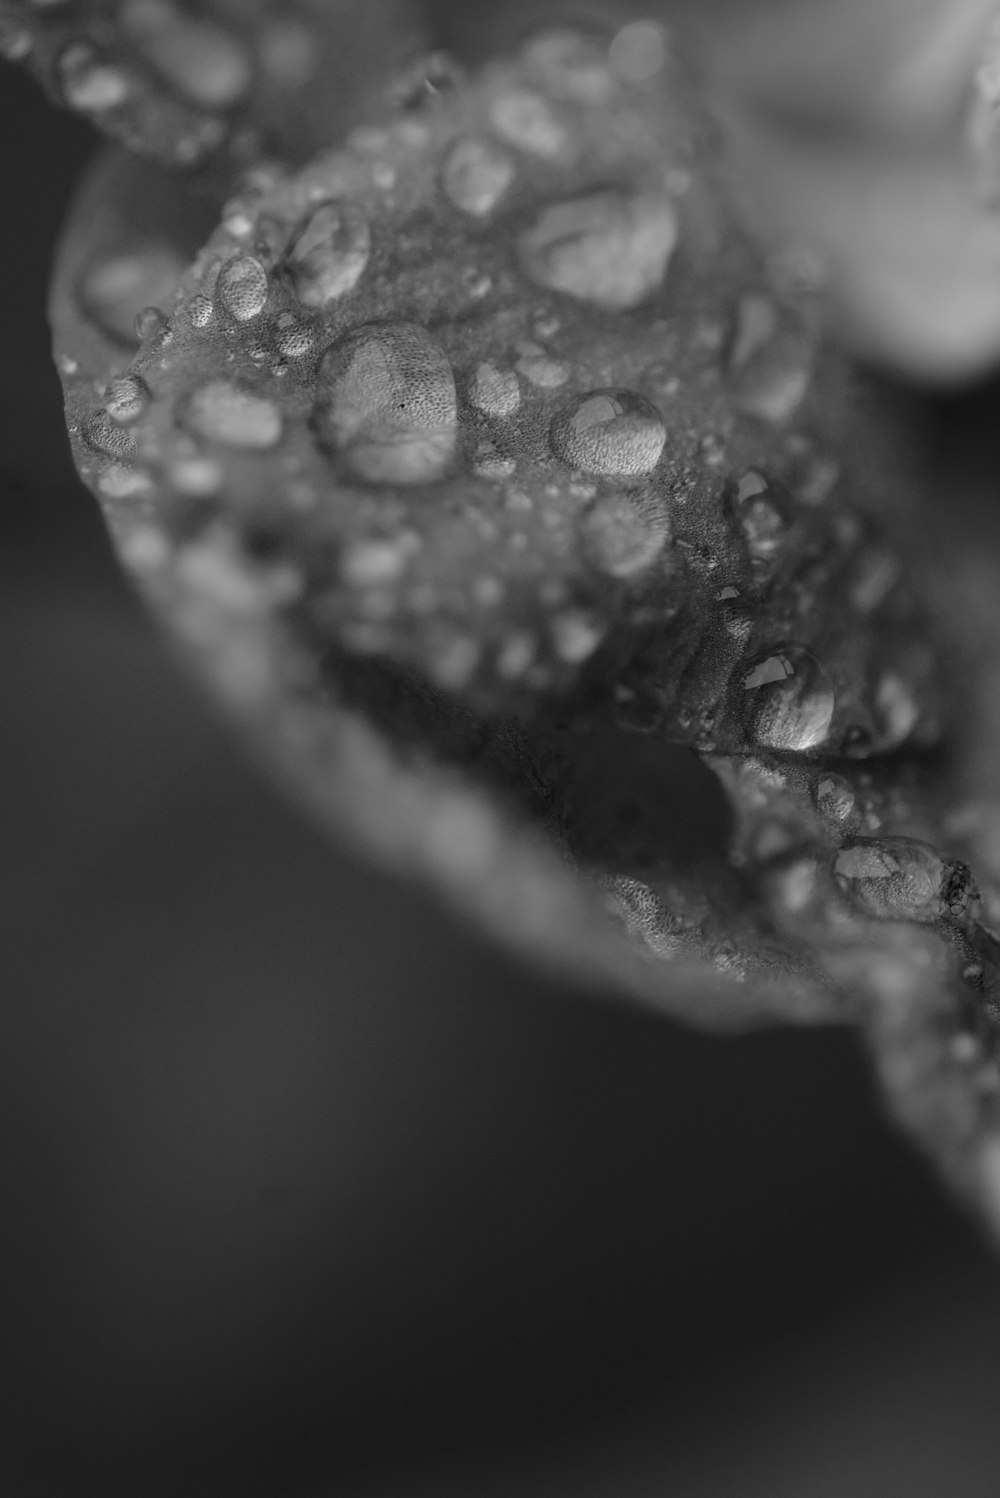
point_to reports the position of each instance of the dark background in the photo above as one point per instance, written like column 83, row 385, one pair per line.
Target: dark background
column 302, row 1182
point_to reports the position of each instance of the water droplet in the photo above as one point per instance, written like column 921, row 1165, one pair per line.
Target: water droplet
column 770, row 362
column 476, row 174
column 900, row 878
column 525, row 119
column 575, row 637
column 387, row 401
column 611, row 249
column 762, row 513
column 294, row 339
column 102, row 435
column 88, row 82
column 639, row 51
column 897, row 711
column 198, row 478
column 126, row 398
column 227, row 413
column 570, row 66
column 242, row 288
column 114, row 289
column 614, row 432
column 788, row 700
column 835, row 799
column 329, row 253
column 622, row 539
column 15, row 40
column 539, row 368
column 494, row 391
column 200, row 311
column 150, row 322
column 200, row 59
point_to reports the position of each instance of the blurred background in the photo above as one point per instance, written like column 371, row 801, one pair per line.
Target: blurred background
column 308, row 1190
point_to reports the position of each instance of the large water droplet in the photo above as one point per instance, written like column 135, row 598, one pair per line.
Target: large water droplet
column 476, row 174
column 201, row 60
column 788, row 700
column 900, row 878
column 387, row 401
column 611, row 248
column 242, row 288
column 329, row 253
column 570, row 66
column 227, row 413
column 613, row 432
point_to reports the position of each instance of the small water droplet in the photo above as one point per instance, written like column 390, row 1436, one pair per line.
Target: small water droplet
column 835, row 799
column 126, row 398
column 539, row 368
column 614, row 432
column 494, row 391
column 294, row 339
column 329, row 253
column 103, row 435
column 197, row 477
column 525, row 119
column 900, row 878
column 200, row 311
column 762, row 512
column 242, row 288
column 639, row 51
column 88, row 82
column 476, row 174
column 570, row 65
column 387, row 401
column 150, row 322
column 575, row 637
column 610, row 249
column 770, row 362
column 622, row 539
column 227, row 413
column 788, row 700
column 113, row 289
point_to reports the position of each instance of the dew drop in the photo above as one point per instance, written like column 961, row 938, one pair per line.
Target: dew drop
column 476, row 174
column 126, row 399
column 610, row 249
column 761, row 510
column 113, row 289
column 200, row 311
column 835, row 799
column 494, row 391
column 900, row 878
column 770, row 362
column 329, row 253
column 621, row 539
column 387, row 401
column 613, row 432
column 242, row 288
column 202, row 61
column 570, row 66
column 227, row 413
column 103, row 435
column 89, row 83
column 525, row 119
column 639, row 51
column 150, row 322
column 788, row 700
column 294, row 339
